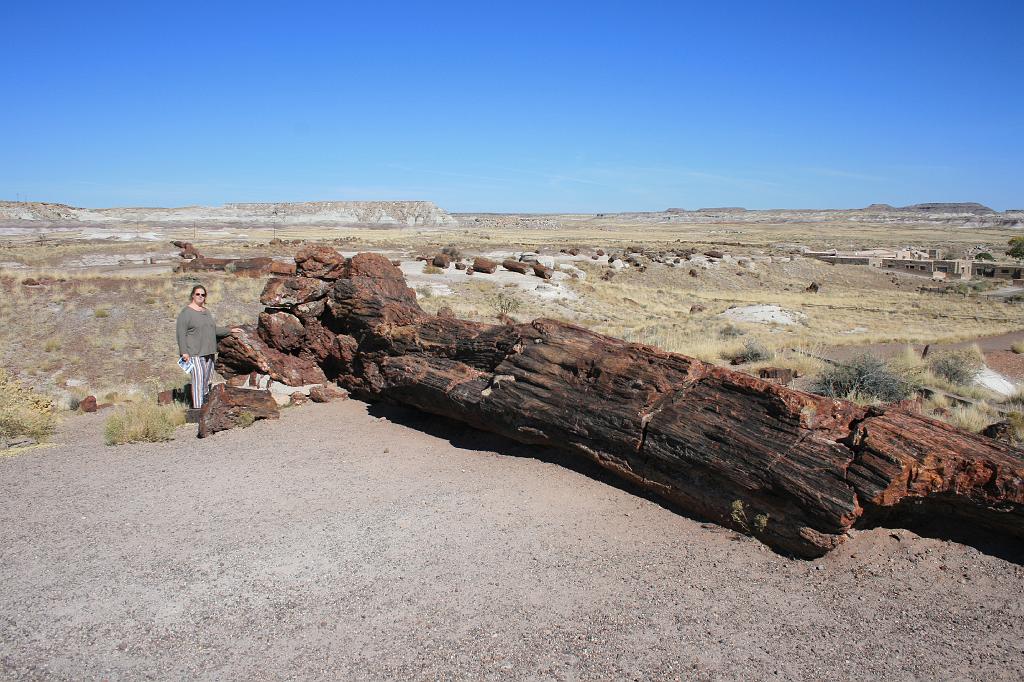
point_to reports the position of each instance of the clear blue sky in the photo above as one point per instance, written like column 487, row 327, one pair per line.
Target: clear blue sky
column 519, row 106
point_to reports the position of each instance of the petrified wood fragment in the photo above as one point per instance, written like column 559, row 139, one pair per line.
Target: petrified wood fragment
column 795, row 470
column 228, row 407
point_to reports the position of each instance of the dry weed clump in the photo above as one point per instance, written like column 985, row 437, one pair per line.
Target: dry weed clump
column 143, row 422
column 1018, row 347
column 959, row 366
column 24, row 412
column 866, row 378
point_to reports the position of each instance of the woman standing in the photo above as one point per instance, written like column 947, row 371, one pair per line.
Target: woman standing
column 197, row 342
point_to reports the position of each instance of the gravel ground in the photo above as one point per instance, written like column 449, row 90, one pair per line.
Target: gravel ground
column 355, row 542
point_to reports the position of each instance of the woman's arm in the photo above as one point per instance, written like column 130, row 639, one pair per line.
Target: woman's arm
column 181, row 330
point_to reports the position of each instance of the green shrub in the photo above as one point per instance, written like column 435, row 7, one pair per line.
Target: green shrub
column 865, row 377
column 1018, row 347
column 23, row 412
column 143, row 422
column 959, row 366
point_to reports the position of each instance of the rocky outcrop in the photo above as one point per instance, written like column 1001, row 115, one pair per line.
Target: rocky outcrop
column 793, row 469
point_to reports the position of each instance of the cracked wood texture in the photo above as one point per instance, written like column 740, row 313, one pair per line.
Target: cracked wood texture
column 795, row 470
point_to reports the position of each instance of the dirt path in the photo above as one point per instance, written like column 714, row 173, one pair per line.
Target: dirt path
column 336, row 544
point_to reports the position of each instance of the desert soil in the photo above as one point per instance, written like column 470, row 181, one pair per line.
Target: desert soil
column 354, row 542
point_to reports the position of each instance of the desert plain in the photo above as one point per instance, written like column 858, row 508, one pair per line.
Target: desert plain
column 362, row 541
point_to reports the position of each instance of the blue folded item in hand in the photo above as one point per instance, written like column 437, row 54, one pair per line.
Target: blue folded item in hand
column 186, row 365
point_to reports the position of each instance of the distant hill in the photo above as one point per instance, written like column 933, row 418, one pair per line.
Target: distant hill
column 410, row 213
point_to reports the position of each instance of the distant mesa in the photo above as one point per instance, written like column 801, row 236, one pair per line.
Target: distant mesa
column 409, row 213
column 880, row 207
column 965, row 207
column 723, row 209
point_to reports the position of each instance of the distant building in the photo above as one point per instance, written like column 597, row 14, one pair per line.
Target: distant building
column 993, row 270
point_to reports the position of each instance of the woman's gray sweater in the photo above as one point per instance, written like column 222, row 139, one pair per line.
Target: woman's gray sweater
column 197, row 332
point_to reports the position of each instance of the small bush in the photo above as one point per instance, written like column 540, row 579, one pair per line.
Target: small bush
column 143, row 422
column 1018, row 347
column 431, row 269
column 865, row 377
column 101, row 313
column 505, row 304
column 452, row 252
column 753, row 351
column 23, row 412
column 731, row 331
column 246, row 419
column 959, row 367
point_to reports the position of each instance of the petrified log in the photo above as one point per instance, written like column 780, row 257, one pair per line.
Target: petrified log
column 795, row 470
column 441, row 261
column 227, row 407
column 542, row 271
column 515, row 266
column 485, row 265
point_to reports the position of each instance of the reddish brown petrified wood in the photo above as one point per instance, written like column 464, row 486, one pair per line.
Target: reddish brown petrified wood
column 793, row 469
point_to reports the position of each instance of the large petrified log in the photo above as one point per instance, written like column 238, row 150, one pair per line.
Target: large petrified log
column 795, row 470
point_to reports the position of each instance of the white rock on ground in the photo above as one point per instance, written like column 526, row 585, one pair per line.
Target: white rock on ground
column 996, row 382
column 763, row 314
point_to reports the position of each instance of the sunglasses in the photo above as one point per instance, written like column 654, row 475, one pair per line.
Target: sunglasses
column 199, row 294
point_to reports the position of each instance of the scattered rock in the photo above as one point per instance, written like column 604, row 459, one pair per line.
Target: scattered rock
column 298, row 398
column 227, row 407
column 485, row 265
column 697, row 308
column 442, row 261
column 88, row 404
column 459, row 265
column 777, row 375
column 813, row 288
column 542, row 271
column 326, row 393
column 515, row 266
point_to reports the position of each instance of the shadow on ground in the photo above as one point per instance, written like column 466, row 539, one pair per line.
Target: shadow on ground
column 468, row 438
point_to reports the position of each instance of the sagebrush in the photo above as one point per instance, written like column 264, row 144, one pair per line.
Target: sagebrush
column 865, row 377
column 24, row 412
column 143, row 422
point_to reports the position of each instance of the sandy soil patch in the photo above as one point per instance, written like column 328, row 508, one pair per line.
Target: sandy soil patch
column 356, row 542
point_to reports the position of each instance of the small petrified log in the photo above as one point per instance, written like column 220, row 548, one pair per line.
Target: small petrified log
column 327, row 393
column 515, row 266
column 485, row 265
column 227, row 407
column 778, row 375
column 542, row 271
column 793, row 469
column 442, row 261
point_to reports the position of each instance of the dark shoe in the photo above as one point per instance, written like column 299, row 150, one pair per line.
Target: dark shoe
column 192, row 415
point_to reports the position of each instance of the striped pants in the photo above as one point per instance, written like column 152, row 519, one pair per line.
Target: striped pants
column 202, row 375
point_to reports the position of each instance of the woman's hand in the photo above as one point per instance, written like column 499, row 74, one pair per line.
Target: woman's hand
column 185, row 357
column 236, row 330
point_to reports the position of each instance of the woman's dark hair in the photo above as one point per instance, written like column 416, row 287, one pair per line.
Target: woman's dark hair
column 195, row 289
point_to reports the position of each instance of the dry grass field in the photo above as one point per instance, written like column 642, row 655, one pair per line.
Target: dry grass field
column 105, row 327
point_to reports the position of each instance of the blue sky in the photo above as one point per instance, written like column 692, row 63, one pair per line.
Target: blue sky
column 555, row 106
